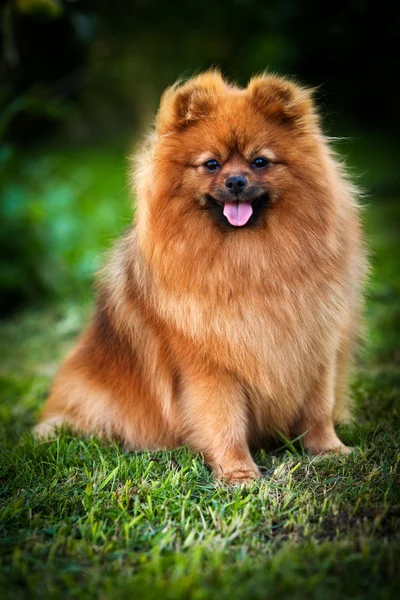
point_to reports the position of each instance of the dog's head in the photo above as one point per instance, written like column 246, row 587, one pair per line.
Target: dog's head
column 229, row 152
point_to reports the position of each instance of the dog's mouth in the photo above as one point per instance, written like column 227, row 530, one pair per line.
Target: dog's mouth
column 238, row 213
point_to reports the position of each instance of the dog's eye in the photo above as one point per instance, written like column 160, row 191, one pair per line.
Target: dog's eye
column 260, row 162
column 211, row 165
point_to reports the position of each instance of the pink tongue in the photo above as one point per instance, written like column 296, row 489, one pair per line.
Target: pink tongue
column 238, row 213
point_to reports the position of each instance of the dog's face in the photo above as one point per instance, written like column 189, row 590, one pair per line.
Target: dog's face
column 233, row 183
column 232, row 154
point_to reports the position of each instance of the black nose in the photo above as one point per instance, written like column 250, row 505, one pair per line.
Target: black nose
column 236, row 184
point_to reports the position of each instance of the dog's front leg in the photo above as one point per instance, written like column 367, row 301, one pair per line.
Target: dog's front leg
column 316, row 420
column 215, row 421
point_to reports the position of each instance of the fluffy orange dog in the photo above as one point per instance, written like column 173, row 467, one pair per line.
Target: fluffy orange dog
column 229, row 311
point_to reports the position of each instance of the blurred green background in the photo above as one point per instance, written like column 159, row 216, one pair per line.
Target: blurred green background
column 81, row 79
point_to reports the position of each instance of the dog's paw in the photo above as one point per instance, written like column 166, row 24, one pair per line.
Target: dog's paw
column 340, row 450
column 240, row 476
column 48, row 428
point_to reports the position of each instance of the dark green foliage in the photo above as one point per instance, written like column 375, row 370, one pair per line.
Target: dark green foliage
column 58, row 212
column 121, row 55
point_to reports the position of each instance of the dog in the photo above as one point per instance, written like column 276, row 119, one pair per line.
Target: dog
column 230, row 311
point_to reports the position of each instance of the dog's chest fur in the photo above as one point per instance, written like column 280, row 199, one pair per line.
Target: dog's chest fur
column 273, row 345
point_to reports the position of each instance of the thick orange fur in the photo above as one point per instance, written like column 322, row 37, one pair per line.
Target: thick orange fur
column 221, row 338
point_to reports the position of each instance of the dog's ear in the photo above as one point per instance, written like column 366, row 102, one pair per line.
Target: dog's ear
column 281, row 99
column 183, row 104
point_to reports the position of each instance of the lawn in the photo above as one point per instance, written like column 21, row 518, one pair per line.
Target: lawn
column 82, row 519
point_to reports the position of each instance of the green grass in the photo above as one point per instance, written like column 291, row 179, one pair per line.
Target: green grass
column 82, row 519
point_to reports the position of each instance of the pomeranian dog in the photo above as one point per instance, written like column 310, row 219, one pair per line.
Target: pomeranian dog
column 229, row 312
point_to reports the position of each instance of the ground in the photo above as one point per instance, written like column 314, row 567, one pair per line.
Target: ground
column 82, row 519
